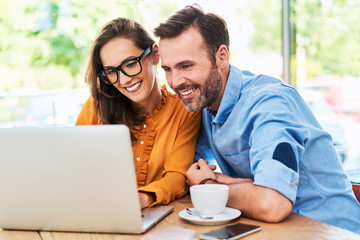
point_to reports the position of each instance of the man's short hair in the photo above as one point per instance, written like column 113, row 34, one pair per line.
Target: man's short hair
column 212, row 28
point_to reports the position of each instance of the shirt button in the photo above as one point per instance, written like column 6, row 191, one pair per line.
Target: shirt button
column 144, row 125
column 141, row 142
column 137, row 159
column 219, row 124
column 295, row 183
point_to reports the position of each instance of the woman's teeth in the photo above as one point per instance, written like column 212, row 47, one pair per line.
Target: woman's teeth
column 133, row 87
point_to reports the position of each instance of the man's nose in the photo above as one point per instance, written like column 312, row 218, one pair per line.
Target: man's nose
column 177, row 80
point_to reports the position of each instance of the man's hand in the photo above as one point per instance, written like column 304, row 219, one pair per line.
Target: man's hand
column 199, row 171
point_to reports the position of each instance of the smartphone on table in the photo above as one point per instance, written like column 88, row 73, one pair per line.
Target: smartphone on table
column 230, row 232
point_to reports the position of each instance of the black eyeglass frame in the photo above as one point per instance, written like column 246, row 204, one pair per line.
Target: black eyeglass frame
column 102, row 75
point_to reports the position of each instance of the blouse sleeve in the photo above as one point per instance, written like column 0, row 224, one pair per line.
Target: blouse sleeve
column 173, row 183
column 87, row 115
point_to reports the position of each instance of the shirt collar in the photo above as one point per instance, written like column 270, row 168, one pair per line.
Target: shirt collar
column 230, row 97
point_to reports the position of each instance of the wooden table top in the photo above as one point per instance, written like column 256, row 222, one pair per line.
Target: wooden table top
column 293, row 227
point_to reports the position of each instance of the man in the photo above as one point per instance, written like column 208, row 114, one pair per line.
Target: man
column 272, row 152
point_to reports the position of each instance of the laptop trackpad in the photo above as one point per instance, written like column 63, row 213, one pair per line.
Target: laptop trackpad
column 153, row 215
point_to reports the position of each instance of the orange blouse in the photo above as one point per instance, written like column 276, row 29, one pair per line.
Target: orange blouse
column 164, row 149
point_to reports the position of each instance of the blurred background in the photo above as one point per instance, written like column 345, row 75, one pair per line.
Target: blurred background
column 314, row 45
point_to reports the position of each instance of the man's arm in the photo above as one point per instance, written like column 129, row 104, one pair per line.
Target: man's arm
column 254, row 201
column 259, row 202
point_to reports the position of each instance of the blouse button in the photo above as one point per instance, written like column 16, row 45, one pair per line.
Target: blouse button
column 144, row 125
column 141, row 142
column 137, row 159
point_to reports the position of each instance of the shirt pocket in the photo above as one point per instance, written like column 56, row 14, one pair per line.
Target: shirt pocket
column 240, row 163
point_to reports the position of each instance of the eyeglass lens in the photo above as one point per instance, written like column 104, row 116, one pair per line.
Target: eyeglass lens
column 130, row 68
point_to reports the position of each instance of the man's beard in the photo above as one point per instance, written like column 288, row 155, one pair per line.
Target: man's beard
column 209, row 91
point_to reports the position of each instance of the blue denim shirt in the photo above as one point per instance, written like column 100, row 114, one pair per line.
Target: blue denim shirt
column 264, row 130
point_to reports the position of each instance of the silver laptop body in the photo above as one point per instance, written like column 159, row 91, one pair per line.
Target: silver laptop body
column 71, row 179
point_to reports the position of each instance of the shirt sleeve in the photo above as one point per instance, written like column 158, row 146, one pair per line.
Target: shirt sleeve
column 87, row 115
column 277, row 140
column 173, row 183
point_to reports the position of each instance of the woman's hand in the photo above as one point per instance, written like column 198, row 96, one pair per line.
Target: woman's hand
column 146, row 198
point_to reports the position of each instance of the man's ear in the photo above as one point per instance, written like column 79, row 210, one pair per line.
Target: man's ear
column 222, row 57
column 155, row 54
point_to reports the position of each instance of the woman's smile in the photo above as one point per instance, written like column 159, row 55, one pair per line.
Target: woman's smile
column 134, row 87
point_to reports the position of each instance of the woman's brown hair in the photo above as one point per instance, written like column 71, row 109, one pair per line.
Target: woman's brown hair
column 114, row 107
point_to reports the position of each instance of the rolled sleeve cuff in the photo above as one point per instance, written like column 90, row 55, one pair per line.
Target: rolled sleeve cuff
column 275, row 175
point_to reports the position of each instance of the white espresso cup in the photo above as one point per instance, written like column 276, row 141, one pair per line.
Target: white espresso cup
column 209, row 199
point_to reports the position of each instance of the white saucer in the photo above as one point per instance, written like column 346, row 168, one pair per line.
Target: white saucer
column 227, row 215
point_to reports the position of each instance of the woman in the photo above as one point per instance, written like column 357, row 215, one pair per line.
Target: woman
column 125, row 90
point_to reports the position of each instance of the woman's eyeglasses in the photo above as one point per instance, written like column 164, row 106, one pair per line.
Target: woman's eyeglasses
column 130, row 68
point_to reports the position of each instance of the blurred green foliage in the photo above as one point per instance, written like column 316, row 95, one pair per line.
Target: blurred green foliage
column 266, row 24
column 45, row 43
column 329, row 32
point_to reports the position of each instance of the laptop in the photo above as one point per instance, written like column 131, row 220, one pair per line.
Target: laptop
column 78, row 179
